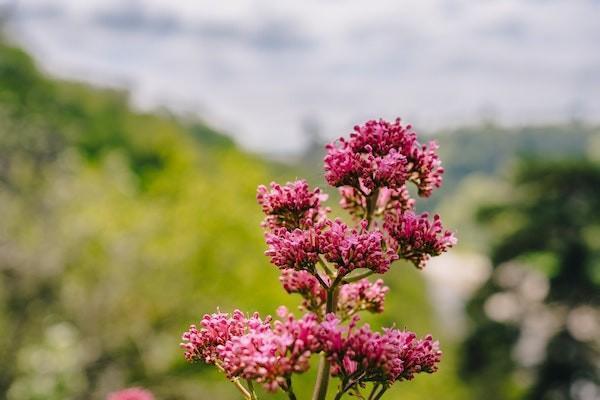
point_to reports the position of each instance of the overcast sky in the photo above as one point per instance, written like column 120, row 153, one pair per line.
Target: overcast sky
column 258, row 68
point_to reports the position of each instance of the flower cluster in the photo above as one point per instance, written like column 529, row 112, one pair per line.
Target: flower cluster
column 383, row 154
column 361, row 355
column 269, row 353
column 416, row 237
column 306, row 285
column 216, row 330
column 131, row 394
column 290, row 206
column 351, row 248
column 362, row 295
column 327, row 262
column 297, row 249
column 270, row 356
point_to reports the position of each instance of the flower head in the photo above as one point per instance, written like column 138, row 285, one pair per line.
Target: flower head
column 305, row 284
column 416, row 237
column 362, row 295
column 382, row 154
column 134, row 393
column 297, row 249
column 290, row 206
column 270, row 356
column 349, row 249
column 376, row 357
column 215, row 330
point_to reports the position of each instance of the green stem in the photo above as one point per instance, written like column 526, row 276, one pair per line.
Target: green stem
column 251, row 390
column 381, row 392
column 324, row 366
column 326, row 267
column 371, row 204
column 237, row 384
column 358, row 277
column 375, row 387
column 289, row 390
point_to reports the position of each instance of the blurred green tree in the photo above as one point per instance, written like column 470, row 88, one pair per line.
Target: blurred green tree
column 535, row 323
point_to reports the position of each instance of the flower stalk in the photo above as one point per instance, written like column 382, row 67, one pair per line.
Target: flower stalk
column 318, row 257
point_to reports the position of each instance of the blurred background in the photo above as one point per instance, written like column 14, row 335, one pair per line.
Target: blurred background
column 133, row 134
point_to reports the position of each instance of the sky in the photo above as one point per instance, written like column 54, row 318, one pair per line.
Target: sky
column 259, row 69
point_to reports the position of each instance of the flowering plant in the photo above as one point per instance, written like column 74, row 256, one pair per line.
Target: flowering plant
column 327, row 263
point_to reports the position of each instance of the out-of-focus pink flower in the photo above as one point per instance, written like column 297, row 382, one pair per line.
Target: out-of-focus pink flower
column 426, row 168
column 271, row 356
column 215, row 330
column 349, row 249
column 305, row 284
column 416, row 237
column 382, row 154
column 362, row 295
column 376, row 357
column 297, row 249
column 134, row 393
column 291, row 206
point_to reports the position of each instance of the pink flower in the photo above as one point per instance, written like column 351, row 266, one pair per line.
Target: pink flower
column 362, row 295
column 350, row 249
column 297, row 249
column 216, row 329
column 305, row 284
column 416, row 237
column 290, row 206
column 271, row 356
column 131, row 394
column 426, row 168
column 382, row 154
column 376, row 357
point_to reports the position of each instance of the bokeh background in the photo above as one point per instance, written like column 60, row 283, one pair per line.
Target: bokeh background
column 133, row 135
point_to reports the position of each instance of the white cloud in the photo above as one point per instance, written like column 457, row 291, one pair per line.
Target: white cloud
column 258, row 67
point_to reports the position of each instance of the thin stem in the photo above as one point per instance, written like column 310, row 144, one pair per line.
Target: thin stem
column 326, row 267
column 251, row 390
column 381, row 392
column 373, row 390
column 371, row 204
column 358, row 277
column 321, row 281
column 324, row 365
column 237, row 384
column 289, row 390
column 322, row 379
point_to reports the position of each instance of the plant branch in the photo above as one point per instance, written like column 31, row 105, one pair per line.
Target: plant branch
column 289, row 390
column 251, row 390
column 324, row 365
column 358, row 277
column 326, row 267
column 381, row 392
column 237, row 384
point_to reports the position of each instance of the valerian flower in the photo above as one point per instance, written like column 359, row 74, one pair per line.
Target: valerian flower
column 350, row 248
column 271, row 356
column 361, row 355
column 297, row 249
column 291, row 206
column 382, row 154
column 306, row 285
column 362, row 295
column 416, row 237
column 200, row 344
